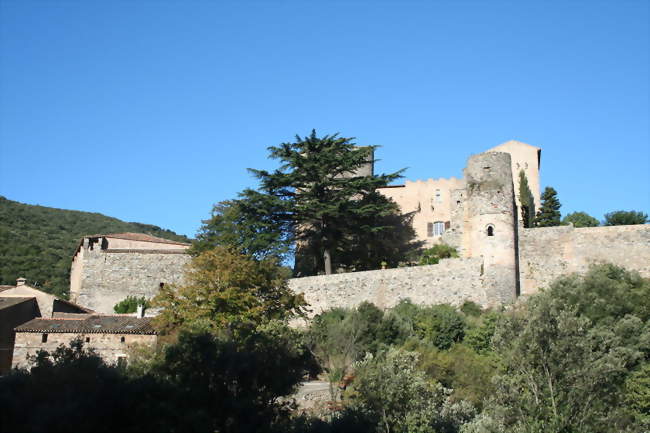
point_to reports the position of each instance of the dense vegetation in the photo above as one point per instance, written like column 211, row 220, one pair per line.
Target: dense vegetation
column 38, row 242
column 574, row 358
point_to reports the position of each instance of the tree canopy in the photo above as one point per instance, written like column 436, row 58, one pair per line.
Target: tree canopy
column 622, row 217
column 549, row 213
column 329, row 205
column 580, row 219
column 527, row 201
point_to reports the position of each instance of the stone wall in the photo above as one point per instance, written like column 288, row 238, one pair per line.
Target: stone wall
column 108, row 346
column 550, row 252
column 451, row 281
column 109, row 276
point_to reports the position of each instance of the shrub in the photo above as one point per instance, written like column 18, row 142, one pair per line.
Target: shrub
column 433, row 255
column 130, row 305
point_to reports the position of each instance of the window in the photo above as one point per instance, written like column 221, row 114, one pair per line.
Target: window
column 490, row 230
column 438, row 228
column 87, row 339
column 438, row 196
column 121, row 339
column 44, row 338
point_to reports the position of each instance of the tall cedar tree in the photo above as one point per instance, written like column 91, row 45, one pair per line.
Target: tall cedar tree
column 250, row 225
column 549, row 214
column 527, row 201
column 317, row 191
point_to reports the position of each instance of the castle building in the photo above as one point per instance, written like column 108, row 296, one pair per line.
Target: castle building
column 107, row 268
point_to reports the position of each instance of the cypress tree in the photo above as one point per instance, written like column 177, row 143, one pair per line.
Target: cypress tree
column 549, row 214
column 527, row 201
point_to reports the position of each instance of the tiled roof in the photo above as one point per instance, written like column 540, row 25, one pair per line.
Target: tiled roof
column 94, row 324
column 138, row 237
column 10, row 301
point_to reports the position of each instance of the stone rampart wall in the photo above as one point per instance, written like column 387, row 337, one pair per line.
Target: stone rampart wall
column 451, row 281
column 109, row 277
column 550, row 252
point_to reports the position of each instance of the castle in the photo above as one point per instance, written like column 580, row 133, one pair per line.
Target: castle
column 478, row 215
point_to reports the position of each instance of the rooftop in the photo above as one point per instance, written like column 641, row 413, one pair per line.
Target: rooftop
column 93, row 324
column 138, row 237
column 6, row 302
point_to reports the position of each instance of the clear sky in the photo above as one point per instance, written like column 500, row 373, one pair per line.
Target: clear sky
column 151, row 111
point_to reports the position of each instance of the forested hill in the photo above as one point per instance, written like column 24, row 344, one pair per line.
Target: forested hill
column 37, row 242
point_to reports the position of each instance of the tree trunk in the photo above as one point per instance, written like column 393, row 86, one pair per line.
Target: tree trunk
column 328, row 261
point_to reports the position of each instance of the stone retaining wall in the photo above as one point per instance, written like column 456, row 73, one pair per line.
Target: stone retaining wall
column 451, row 281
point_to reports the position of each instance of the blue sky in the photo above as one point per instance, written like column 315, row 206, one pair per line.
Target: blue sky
column 151, row 111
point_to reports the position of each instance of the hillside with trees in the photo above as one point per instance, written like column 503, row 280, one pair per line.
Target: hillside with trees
column 37, row 242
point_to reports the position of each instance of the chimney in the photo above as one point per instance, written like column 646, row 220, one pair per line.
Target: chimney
column 140, row 313
column 20, row 281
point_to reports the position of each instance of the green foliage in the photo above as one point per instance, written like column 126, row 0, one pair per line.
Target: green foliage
column 580, row 219
column 390, row 389
column 549, row 213
column 567, row 353
column 527, row 201
column 248, row 225
column 224, row 289
column 440, row 325
column 470, row 308
column 621, row 217
column 38, row 242
column 319, row 196
column 637, row 394
column 130, row 305
column 479, row 336
column 432, row 256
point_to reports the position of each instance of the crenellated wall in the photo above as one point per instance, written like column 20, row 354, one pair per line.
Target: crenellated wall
column 546, row 253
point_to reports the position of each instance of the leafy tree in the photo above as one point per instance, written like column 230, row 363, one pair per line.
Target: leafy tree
column 566, row 357
column 130, row 305
column 549, row 213
column 248, row 224
column 432, row 256
column 580, row 219
column 321, row 195
column 621, row 217
column 440, row 325
column 637, row 395
column 390, row 389
column 226, row 289
column 527, row 201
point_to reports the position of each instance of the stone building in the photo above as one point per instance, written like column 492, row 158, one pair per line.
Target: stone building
column 111, row 337
column 22, row 303
column 108, row 268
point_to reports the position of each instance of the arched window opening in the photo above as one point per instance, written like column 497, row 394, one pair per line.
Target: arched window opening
column 490, row 230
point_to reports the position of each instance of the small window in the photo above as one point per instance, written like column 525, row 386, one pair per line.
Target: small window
column 490, row 230
column 438, row 228
column 161, row 286
column 87, row 339
column 44, row 338
column 438, row 196
column 121, row 339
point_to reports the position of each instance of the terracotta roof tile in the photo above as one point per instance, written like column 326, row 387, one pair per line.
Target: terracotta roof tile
column 93, row 324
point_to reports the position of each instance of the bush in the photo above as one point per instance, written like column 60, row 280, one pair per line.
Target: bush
column 433, row 255
column 130, row 305
column 440, row 325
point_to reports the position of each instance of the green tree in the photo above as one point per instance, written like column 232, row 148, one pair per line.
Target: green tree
column 580, row 219
column 527, row 201
column 322, row 195
column 390, row 389
column 566, row 356
column 130, row 305
column 549, row 213
column 248, row 224
column 432, row 256
column 621, row 217
column 226, row 289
